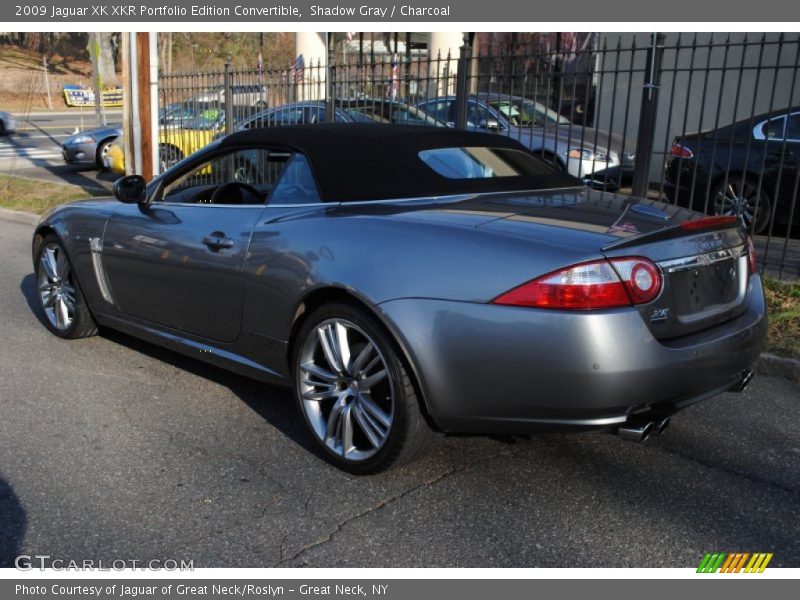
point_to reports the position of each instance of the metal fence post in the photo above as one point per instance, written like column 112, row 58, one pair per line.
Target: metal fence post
column 647, row 116
column 228, row 95
column 462, row 83
column 330, row 81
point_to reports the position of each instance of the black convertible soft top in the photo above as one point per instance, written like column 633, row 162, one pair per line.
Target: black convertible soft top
column 365, row 161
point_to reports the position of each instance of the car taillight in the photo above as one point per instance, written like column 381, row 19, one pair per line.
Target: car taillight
column 751, row 255
column 590, row 285
column 681, row 151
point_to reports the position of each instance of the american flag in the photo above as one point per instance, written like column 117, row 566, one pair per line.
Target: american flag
column 395, row 85
column 297, row 71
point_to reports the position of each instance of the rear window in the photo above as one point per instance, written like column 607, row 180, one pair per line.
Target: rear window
column 480, row 162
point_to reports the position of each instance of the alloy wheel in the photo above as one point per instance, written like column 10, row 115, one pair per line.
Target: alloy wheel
column 743, row 199
column 346, row 389
column 56, row 287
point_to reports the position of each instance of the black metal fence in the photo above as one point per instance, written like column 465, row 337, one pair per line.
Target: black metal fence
column 708, row 121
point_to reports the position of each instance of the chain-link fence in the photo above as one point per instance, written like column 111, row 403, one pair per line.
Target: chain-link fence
column 708, row 121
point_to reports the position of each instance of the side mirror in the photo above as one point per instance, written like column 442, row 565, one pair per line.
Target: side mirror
column 131, row 189
column 492, row 124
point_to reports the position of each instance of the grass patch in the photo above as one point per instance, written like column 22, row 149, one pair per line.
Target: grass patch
column 38, row 196
column 783, row 304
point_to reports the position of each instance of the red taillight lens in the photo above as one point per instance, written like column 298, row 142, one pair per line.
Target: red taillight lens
column 641, row 277
column 709, row 222
column 680, row 151
column 590, row 285
column 751, row 255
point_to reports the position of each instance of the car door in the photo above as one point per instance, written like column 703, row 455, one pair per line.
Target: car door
column 178, row 263
column 791, row 163
column 782, row 148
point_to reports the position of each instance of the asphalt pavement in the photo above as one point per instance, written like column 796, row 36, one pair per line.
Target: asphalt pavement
column 112, row 448
column 34, row 149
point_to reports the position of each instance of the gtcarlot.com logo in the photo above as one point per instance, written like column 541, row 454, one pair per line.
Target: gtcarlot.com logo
column 26, row 562
column 734, row 562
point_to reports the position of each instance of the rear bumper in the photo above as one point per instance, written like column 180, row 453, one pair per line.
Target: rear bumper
column 494, row 369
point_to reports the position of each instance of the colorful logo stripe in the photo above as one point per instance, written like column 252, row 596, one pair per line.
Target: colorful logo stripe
column 734, row 562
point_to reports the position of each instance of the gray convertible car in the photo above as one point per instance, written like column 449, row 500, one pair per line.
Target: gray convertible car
column 412, row 281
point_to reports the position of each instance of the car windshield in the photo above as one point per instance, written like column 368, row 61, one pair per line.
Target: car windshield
column 205, row 119
column 527, row 113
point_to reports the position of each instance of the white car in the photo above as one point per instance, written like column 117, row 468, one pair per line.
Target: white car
column 7, row 122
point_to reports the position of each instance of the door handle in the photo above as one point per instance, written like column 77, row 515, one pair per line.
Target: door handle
column 217, row 241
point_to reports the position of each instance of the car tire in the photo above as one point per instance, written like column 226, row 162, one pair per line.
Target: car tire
column 737, row 196
column 102, row 150
column 58, row 292
column 337, row 394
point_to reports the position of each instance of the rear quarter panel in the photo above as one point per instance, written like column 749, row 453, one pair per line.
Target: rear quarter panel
column 380, row 257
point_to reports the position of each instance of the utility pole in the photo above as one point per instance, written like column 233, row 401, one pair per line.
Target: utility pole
column 94, row 54
column 47, row 82
column 140, row 55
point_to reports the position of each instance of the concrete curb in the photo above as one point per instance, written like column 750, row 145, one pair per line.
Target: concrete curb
column 778, row 366
column 19, row 216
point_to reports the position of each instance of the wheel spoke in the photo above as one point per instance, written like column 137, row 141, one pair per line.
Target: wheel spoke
column 48, row 262
column 320, row 395
column 62, row 313
column 62, row 266
column 322, row 374
column 375, row 411
column 372, row 364
column 368, row 382
column 48, row 298
column 347, row 429
column 358, row 363
column 333, row 427
column 343, row 346
column 328, row 339
column 370, row 431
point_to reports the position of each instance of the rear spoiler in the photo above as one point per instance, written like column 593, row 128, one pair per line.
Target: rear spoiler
column 694, row 225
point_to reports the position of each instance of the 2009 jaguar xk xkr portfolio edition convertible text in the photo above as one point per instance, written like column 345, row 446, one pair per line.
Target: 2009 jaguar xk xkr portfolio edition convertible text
column 413, row 281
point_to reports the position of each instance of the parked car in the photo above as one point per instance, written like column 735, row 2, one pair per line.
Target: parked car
column 8, row 124
column 407, row 281
column 90, row 146
column 114, row 159
column 749, row 168
column 179, row 114
column 363, row 110
column 581, row 151
column 176, row 143
column 252, row 95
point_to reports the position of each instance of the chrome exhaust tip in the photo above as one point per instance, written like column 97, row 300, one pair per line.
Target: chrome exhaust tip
column 745, row 377
column 637, row 432
column 662, row 425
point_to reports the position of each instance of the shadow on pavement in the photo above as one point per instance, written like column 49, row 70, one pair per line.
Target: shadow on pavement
column 28, row 288
column 70, row 174
column 273, row 403
column 12, row 524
